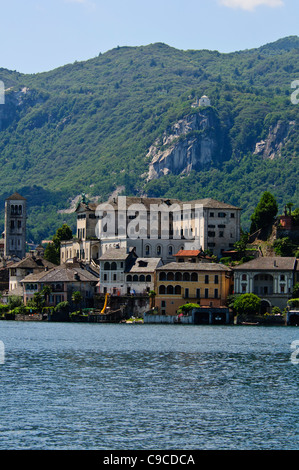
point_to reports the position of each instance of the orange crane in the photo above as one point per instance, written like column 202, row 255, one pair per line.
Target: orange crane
column 105, row 304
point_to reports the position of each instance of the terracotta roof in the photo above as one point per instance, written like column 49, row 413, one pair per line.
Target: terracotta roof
column 15, row 197
column 268, row 263
column 188, row 253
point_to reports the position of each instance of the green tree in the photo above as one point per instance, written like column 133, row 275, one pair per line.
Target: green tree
column 46, row 291
column 284, row 247
column 77, row 299
column 152, row 294
column 264, row 213
column 249, row 304
column 52, row 251
column 295, row 294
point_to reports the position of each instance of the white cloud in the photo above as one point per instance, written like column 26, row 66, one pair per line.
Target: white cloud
column 250, row 5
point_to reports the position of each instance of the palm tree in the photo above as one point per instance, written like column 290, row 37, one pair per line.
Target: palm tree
column 46, row 291
column 77, row 299
column 152, row 294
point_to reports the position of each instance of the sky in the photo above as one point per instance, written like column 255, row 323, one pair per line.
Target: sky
column 41, row 35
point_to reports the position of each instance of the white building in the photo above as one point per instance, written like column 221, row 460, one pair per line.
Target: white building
column 270, row 278
column 155, row 227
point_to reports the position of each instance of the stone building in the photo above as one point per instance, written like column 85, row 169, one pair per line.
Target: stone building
column 63, row 280
column 205, row 284
column 15, row 226
column 155, row 227
column 270, row 278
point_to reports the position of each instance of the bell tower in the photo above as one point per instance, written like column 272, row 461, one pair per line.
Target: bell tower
column 15, row 226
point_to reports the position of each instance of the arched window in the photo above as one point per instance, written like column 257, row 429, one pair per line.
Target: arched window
column 147, row 250
column 194, row 277
column 244, row 277
column 148, row 278
column 170, row 290
column 186, row 277
column 177, row 290
column 159, row 250
column 113, row 266
column 162, row 276
column 170, row 250
column 162, row 290
column 178, row 276
column 106, row 266
column 20, row 209
column 135, row 278
column 142, row 278
column 170, row 276
column 129, row 278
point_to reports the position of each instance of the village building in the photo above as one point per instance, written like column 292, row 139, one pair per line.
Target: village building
column 63, row 280
column 31, row 264
column 84, row 245
column 15, row 226
column 122, row 272
column 205, row 284
column 155, row 227
column 270, row 278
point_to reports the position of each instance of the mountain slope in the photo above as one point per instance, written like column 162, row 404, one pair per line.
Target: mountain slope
column 88, row 127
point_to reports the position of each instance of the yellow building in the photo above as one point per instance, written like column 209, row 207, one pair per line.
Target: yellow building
column 178, row 283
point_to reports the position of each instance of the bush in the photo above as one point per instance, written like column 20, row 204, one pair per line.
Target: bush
column 249, row 304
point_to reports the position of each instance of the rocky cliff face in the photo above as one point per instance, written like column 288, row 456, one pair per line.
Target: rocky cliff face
column 193, row 143
column 277, row 138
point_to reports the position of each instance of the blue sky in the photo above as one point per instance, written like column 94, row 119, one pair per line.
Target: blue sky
column 40, row 35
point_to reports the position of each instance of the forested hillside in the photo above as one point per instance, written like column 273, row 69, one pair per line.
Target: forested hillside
column 87, row 128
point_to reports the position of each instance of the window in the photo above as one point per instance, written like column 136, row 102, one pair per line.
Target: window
column 129, row 278
column 162, row 290
column 114, row 277
column 106, row 266
column 135, row 278
column 148, row 278
column 216, row 293
column 221, row 214
column 170, row 290
column 177, row 290
column 147, row 250
column 244, row 277
column 186, row 293
column 232, row 215
column 159, row 250
column 163, row 303
column 142, row 278
column 194, row 277
column 211, row 214
column 206, row 279
column 198, row 293
column 216, row 280
column 113, row 266
column 211, row 234
column 162, row 276
column 206, row 293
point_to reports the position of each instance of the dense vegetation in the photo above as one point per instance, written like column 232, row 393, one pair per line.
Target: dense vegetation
column 87, row 127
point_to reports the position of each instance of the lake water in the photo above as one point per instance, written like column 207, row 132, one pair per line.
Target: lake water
column 69, row 386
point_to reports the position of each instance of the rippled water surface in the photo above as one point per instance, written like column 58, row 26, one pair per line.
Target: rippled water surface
column 155, row 387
